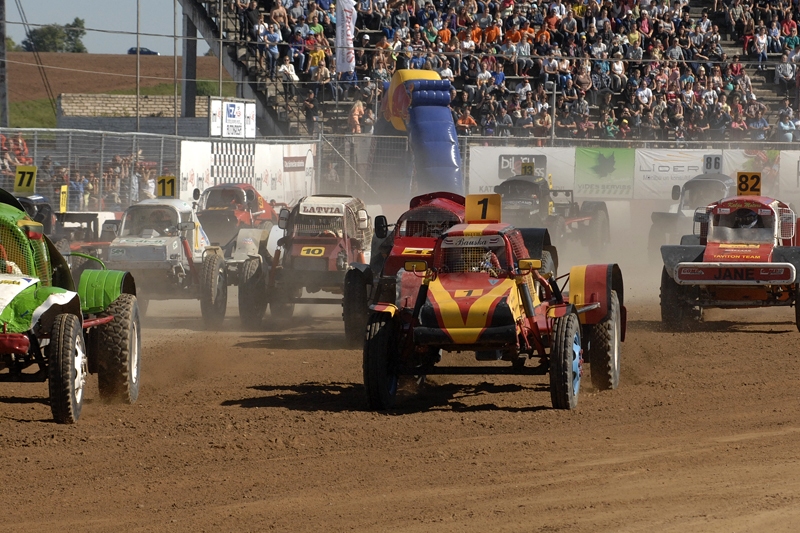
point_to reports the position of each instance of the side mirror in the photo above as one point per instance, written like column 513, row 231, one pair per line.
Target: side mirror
column 283, row 218
column 530, row 264
column 416, row 266
column 249, row 196
column 186, row 226
column 788, row 221
column 701, row 221
column 676, row 192
column 196, row 194
column 381, row 227
column 110, row 227
column 363, row 219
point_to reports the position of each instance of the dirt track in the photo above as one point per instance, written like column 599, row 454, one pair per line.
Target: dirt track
column 249, row 431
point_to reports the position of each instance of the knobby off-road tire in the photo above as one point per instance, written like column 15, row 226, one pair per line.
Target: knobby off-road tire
column 213, row 290
column 119, row 351
column 252, row 294
column 604, row 348
column 600, row 233
column 797, row 307
column 565, row 362
column 655, row 239
column 380, row 349
column 355, row 310
column 68, row 368
column 675, row 313
column 279, row 307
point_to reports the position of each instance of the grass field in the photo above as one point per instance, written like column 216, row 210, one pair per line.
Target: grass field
column 40, row 114
column 95, row 74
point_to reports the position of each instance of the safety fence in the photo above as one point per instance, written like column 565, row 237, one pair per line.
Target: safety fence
column 109, row 171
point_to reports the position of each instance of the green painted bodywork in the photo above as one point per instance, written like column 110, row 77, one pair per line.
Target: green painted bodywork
column 98, row 288
column 17, row 315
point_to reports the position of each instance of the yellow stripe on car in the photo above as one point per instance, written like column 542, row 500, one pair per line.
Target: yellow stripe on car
column 467, row 332
column 577, row 287
column 475, row 230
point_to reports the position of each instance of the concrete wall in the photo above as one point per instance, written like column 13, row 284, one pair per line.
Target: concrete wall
column 189, row 127
column 122, row 105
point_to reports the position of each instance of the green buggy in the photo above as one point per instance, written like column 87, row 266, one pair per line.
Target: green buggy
column 50, row 332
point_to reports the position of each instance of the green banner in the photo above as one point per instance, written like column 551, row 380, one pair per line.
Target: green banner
column 604, row 172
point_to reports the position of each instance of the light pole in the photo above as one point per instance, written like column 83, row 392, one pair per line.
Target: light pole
column 138, row 50
column 551, row 86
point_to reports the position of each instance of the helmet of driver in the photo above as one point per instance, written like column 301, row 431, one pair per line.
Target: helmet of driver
column 745, row 218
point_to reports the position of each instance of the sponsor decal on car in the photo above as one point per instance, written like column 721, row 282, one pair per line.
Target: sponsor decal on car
column 321, row 209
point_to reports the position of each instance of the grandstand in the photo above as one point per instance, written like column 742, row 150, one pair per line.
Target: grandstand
column 534, row 74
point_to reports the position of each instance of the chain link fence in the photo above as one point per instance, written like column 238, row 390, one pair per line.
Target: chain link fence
column 107, row 171
column 103, row 171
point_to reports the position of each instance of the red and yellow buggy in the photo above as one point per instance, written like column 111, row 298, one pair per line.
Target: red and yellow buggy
column 743, row 253
column 481, row 290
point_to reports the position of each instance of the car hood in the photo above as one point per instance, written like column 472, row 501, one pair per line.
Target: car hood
column 24, row 301
column 465, row 304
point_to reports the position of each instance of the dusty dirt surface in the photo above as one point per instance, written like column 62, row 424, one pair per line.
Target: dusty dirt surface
column 94, row 73
column 267, row 430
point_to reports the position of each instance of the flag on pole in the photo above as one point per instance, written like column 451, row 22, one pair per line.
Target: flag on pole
column 345, row 30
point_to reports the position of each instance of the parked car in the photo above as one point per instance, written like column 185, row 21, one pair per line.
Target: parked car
column 143, row 51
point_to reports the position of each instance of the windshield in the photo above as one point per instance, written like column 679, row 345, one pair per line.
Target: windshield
column 141, row 219
column 222, row 198
column 319, row 226
column 426, row 222
column 701, row 193
column 459, row 256
column 742, row 226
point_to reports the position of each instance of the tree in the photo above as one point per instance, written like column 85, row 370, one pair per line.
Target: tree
column 11, row 46
column 75, row 33
column 56, row 38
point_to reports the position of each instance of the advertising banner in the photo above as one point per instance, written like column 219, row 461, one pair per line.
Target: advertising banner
column 285, row 173
column 250, row 120
column 768, row 162
column 657, row 171
column 233, row 119
column 195, row 167
column 345, row 30
column 789, row 176
column 604, row 172
column 490, row 165
column 214, row 117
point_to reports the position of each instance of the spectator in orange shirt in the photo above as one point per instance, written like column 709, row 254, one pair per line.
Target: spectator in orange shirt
column 476, row 33
column 526, row 29
column 551, row 21
column 445, row 35
column 492, row 33
column 543, row 31
column 466, row 124
column 20, row 149
column 513, row 36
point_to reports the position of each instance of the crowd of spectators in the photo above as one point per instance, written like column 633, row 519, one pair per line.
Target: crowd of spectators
column 121, row 181
column 612, row 70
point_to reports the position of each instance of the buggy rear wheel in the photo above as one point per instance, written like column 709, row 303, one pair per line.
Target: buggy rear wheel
column 213, row 289
column 67, row 367
column 600, row 231
column 675, row 311
column 604, row 360
column 355, row 310
column 566, row 362
column 119, row 350
column 252, row 294
column 380, row 349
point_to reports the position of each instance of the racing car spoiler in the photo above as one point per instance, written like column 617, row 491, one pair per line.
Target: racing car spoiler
column 735, row 274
